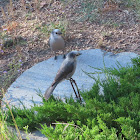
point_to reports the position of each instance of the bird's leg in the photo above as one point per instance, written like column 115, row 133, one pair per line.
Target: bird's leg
column 64, row 56
column 71, row 80
column 77, row 89
column 55, row 56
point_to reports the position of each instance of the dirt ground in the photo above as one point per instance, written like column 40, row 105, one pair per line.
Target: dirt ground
column 113, row 28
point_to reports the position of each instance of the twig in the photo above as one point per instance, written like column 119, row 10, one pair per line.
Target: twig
column 23, row 4
column 67, row 124
column 3, row 14
column 11, row 8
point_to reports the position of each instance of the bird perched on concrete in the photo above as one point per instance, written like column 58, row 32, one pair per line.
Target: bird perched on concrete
column 56, row 42
column 66, row 71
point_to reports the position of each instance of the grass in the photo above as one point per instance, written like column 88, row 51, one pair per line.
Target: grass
column 5, row 132
column 92, row 11
column 7, row 77
column 112, row 116
column 46, row 29
column 89, row 10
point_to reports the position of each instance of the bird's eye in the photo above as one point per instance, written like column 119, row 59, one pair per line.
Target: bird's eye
column 56, row 32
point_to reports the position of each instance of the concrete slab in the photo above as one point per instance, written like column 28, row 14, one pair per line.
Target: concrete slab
column 40, row 76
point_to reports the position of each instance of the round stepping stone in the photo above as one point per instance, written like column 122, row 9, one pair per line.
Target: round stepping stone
column 40, row 76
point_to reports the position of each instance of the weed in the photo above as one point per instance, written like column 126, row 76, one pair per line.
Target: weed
column 93, row 11
column 7, row 77
column 3, row 35
column 89, row 10
column 5, row 133
column 28, row 16
column 112, row 24
column 46, row 29
column 26, row 131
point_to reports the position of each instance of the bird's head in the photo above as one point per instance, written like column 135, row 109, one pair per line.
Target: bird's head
column 56, row 32
column 73, row 54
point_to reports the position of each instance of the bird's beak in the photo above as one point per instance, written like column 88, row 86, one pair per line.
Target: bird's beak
column 60, row 33
column 78, row 54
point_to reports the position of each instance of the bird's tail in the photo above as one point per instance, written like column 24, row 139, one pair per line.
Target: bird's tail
column 49, row 91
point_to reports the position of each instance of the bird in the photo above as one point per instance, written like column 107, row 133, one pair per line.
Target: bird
column 65, row 72
column 56, row 42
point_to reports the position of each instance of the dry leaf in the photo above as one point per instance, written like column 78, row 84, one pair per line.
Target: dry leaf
column 11, row 26
column 109, row 6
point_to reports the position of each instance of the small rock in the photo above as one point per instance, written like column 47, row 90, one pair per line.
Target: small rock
column 126, row 12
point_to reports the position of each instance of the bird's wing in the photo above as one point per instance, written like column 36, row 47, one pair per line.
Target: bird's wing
column 64, row 70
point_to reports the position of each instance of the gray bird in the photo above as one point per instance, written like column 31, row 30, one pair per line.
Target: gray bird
column 56, row 42
column 66, row 71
